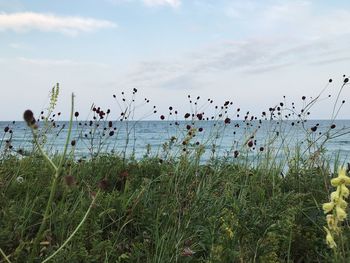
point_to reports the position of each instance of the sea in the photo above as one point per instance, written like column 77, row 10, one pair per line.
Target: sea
column 162, row 139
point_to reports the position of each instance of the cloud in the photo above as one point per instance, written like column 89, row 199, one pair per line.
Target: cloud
column 70, row 25
column 172, row 3
column 282, row 34
column 150, row 3
column 59, row 62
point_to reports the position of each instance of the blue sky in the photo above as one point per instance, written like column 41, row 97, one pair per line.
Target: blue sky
column 252, row 52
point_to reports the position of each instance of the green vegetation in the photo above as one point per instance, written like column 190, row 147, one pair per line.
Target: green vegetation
column 165, row 212
column 177, row 208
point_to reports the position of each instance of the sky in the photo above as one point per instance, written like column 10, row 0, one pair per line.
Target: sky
column 252, row 52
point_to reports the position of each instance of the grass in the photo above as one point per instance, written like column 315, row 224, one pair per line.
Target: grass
column 152, row 212
column 246, row 206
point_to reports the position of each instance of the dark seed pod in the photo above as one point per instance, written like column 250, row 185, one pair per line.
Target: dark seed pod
column 103, row 184
column 28, row 116
column 69, row 180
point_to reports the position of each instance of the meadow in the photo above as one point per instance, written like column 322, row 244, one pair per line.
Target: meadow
column 265, row 199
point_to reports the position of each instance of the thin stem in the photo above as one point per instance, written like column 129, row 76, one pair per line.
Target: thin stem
column 53, row 186
column 336, row 101
column 68, row 138
column 42, row 151
column 45, row 217
column 4, row 255
column 75, row 230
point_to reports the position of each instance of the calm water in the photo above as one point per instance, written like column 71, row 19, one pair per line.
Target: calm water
column 149, row 137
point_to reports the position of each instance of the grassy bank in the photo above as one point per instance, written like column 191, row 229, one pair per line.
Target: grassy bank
column 152, row 211
column 263, row 201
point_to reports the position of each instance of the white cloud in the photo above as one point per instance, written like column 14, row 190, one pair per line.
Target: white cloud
column 172, row 3
column 150, row 3
column 71, row 25
column 59, row 62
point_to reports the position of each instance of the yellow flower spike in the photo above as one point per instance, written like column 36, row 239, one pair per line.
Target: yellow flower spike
column 328, row 207
column 331, row 221
column 336, row 181
column 229, row 232
column 335, row 195
column 329, row 238
column 341, row 214
column 344, row 191
column 342, row 203
column 341, row 179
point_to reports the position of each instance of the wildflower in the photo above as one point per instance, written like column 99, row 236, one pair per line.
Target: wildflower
column 28, row 116
column 103, row 184
column 313, row 128
column 337, row 206
column 331, row 222
column 73, row 142
column 124, row 174
column 341, row 214
column 341, row 179
column 333, row 126
column 162, row 117
column 76, row 114
column 69, row 180
column 328, row 207
column 250, row 143
column 329, row 239
column 187, row 252
column 229, row 232
column 6, row 129
column 19, row 179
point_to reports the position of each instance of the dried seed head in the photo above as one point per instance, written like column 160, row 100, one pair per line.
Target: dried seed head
column 103, row 184
column 28, row 116
column 124, row 174
column 69, row 180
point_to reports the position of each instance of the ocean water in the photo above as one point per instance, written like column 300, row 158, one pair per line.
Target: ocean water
column 164, row 138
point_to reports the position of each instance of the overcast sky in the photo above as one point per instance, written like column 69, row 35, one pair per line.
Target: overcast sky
column 250, row 51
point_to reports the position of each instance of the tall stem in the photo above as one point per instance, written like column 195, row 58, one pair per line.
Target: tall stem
column 53, row 185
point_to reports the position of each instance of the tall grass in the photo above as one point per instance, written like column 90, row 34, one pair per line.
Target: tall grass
column 258, row 199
